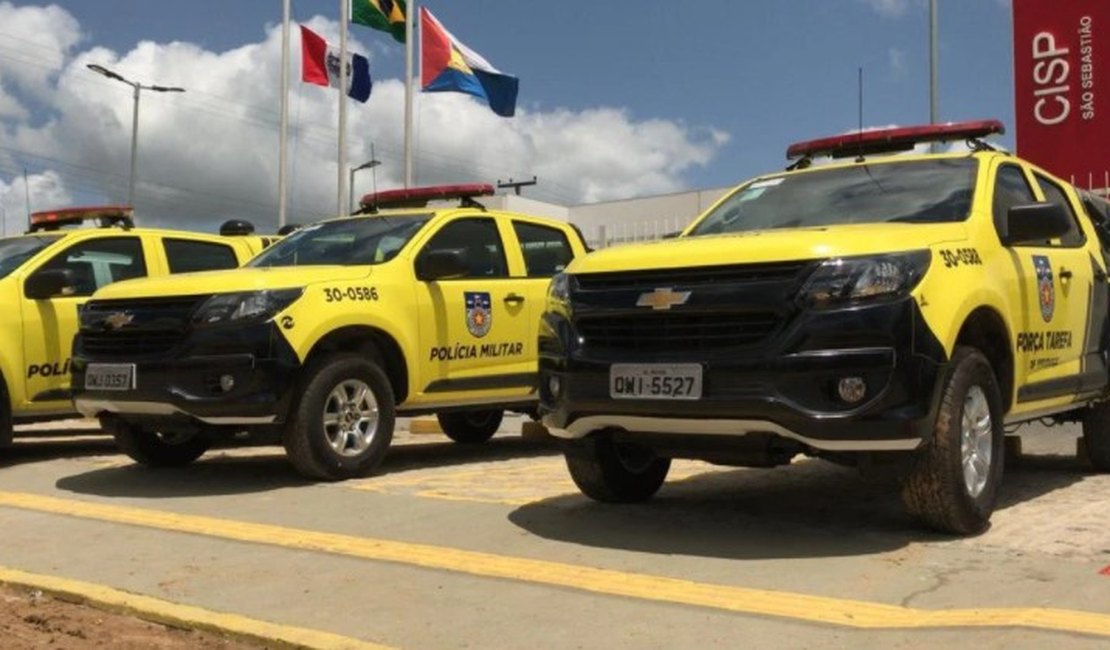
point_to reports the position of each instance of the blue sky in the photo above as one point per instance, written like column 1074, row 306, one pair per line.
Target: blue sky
column 723, row 86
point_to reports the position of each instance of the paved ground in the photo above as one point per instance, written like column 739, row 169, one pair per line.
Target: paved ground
column 492, row 547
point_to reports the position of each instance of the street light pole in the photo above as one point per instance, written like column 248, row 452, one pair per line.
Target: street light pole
column 135, row 87
column 369, row 164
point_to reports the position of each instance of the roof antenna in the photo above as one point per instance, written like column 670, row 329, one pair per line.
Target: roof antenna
column 860, row 132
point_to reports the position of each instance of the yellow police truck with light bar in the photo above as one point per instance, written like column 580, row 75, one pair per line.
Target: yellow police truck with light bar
column 879, row 311
column 321, row 341
column 47, row 274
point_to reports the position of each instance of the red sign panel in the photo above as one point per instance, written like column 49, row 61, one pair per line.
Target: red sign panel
column 1062, row 85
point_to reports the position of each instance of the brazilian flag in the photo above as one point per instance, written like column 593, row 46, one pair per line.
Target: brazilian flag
column 385, row 15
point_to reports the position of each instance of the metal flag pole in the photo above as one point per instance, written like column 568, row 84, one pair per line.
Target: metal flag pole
column 344, row 80
column 283, row 135
column 933, row 62
column 410, row 22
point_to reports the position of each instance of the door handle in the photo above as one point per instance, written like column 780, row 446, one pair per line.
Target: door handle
column 514, row 299
column 1065, row 274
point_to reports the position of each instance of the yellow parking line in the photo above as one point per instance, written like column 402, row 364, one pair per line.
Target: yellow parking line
column 794, row 606
column 165, row 612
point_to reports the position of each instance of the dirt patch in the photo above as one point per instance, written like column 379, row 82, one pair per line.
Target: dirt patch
column 31, row 620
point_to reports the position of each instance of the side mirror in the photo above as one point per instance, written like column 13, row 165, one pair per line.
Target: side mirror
column 50, row 283
column 1035, row 223
column 442, row 264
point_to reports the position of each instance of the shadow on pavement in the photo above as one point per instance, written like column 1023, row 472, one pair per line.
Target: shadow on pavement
column 29, row 450
column 810, row 509
column 266, row 468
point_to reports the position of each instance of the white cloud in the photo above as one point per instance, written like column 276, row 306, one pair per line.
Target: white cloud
column 891, row 8
column 212, row 152
column 46, row 191
column 899, row 69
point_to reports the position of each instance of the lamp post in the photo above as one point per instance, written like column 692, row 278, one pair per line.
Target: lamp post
column 135, row 87
column 369, row 164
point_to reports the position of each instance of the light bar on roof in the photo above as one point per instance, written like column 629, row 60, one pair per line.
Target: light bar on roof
column 891, row 140
column 420, row 196
column 68, row 216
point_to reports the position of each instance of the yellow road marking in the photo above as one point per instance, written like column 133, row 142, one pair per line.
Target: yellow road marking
column 744, row 600
column 165, row 612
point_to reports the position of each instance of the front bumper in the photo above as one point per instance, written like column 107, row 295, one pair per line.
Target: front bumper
column 784, row 386
column 184, row 386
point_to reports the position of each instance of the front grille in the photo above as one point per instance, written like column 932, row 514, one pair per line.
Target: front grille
column 661, row 333
column 157, row 325
column 691, row 276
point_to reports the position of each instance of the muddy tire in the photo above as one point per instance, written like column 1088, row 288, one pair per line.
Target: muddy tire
column 470, row 427
column 615, row 473
column 343, row 424
column 1096, row 436
column 953, row 485
column 154, row 449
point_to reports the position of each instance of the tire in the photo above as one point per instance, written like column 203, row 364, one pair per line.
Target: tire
column 5, row 415
column 612, row 473
column 154, row 449
column 343, row 425
column 1096, row 436
column 470, row 427
column 951, row 487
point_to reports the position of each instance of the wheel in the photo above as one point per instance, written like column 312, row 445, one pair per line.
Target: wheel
column 1096, row 436
column 343, row 424
column 470, row 427
column 156, row 449
column 615, row 473
column 954, row 482
column 5, row 415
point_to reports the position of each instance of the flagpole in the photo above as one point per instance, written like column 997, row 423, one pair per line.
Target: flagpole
column 410, row 22
column 344, row 81
column 283, row 134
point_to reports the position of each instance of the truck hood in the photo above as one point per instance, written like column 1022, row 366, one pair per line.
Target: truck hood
column 243, row 279
column 779, row 245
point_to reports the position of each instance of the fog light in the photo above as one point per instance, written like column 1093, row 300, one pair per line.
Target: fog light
column 227, row 382
column 851, row 389
column 554, row 385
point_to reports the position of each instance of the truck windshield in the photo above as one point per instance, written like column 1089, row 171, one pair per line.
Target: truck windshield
column 920, row 191
column 14, row 251
column 356, row 241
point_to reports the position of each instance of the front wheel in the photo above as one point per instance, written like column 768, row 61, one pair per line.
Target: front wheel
column 470, row 427
column 5, row 415
column 154, row 448
column 343, row 425
column 1096, row 436
column 613, row 472
column 954, row 483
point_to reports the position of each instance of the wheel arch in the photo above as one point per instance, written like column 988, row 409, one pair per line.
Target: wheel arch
column 373, row 342
column 985, row 330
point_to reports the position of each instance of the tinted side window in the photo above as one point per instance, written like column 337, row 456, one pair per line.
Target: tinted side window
column 1054, row 194
column 1010, row 189
column 187, row 256
column 546, row 250
column 101, row 262
column 480, row 241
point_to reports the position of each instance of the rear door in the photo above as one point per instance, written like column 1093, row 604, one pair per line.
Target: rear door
column 544, row 250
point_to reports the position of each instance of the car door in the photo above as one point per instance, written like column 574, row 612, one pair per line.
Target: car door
column 1054, row 280
column 50, row 324
column 474, row 328
column 544, row 251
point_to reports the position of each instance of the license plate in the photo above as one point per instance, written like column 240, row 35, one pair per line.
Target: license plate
column 655, row 381
column 110, row 376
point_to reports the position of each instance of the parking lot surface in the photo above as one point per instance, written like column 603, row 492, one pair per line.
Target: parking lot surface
column 492, row 546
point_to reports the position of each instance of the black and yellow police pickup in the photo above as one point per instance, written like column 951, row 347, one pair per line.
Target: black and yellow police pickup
column 323, row 339
column 884, row 309
column 48, row 273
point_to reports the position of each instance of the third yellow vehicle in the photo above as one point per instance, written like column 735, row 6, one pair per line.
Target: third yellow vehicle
column 322, row 340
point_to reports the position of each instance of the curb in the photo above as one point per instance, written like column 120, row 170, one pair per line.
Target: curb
column 182, row 616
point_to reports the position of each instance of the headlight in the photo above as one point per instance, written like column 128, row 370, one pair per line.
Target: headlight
column 559, row 289
column 855, row 279
column 245, row 306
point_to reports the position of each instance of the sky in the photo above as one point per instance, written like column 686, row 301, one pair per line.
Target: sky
column 618, row 99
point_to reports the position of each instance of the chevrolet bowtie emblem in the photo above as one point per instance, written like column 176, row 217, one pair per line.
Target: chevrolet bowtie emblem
column 118, row 320
column 663, row 299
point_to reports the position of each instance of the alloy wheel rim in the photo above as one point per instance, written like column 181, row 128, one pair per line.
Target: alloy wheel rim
column 350, row 417
column 976, row 441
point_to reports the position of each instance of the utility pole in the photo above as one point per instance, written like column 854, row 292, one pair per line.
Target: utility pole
column 516, row 185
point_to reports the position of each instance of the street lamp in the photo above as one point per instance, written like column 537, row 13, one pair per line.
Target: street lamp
column 135, row 87
column 369, row 164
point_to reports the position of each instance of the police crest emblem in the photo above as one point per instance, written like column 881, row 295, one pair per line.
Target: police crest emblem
column 479, row 312
column 1045, row 289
